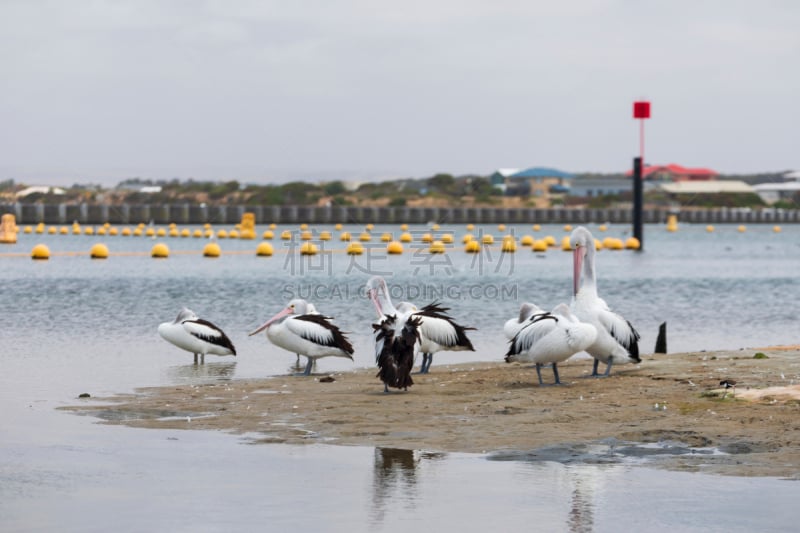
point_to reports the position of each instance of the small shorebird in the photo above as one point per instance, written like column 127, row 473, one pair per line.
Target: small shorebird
column 728, row 384
column 310, row 334
column 196, row 335
column 550, row 338
column 617, row 340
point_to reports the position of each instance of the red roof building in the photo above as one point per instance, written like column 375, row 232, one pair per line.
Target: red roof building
column 673, row 172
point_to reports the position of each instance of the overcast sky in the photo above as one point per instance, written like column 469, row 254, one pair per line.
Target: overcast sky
column 268, row 91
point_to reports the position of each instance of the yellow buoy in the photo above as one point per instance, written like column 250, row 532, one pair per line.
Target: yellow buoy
column 40, row 228
column 99, row 251
column 616, row 244
column 27, row 229
column 222, row 234
column 233, row 234
column 305, row 235
column 472, row 247
column 539, row 245
column 159, row 251
column 113, row 231
column 536, row 227
column 208, row 233
column 437, row 247
column 247, row 234
column 324, row 235
column 776, row 229
column 526, row 240
column 598, row 245
column 149, row 232
column 52, row 230
column 63, row 230
column 467, row 237
column 602, row 227
column 565, row 244
column 76, row 229
column 185, row 232
column 264, row 249
column 40, row 251
column 470, row 227
column 286, row 235
column 406, row 237
column 205, row 226
column 303, row 227
column 308, row 248
column 137, row 232
column 435, row 227
column 567, row 227
column 710, row 228
column 509, row 244
column 447, row 238
column 426, row 237
column 100, row 231
column 487, row 239
column 88, row 230
column 268, row 235
column 369, row 227
column 607, row 242
column 273, row 226
column 355, row 248
column 365, row 237
column 741, row 229
column 394, row 247
column 160, row 232
column 173, row 232
column 345, row 236
column 403, row 227
column 197, row 234
column 386, row 237
column 211, row 249
column 501, row 227
column 172, row 225
column 338, row 227
column 550, row 240
column 632, row 243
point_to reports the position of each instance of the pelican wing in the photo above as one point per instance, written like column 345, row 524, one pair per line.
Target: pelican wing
column 318, row 329
column 537, row 327
column 622, row 331
column 437, row 326
column 206, row 331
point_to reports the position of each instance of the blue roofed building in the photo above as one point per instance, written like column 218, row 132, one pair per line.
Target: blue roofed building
column 540, row 183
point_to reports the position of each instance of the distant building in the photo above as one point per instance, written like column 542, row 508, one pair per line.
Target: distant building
column 773, row 192
column 538, row 182
column 706, row 187
column 499, row 176
column 594, row 187
column 40, row 189
column 673, row 172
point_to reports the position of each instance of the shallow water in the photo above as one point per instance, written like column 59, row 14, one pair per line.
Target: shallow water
column 73, row 325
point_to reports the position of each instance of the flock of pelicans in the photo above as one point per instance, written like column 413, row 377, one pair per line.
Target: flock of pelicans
column 403, row 331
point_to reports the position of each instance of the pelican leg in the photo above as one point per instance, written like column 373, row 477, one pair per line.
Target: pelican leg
column 608, row 366
column 594, row 368
column 297, row 363
column 423, row 367
column 555, row 373
column 195, row 358
column 428, row 366
column 385, row 388
column 202, row 358
column 539, row 373
column 307, row 371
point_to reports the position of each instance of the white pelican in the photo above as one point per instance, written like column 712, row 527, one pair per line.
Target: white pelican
column 617, row 340
column 513, row 325
column 304, row 333
column 437, row 330
column 196, row 335
column 550, row 338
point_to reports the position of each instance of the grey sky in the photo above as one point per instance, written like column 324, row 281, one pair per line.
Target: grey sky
column 274, row 90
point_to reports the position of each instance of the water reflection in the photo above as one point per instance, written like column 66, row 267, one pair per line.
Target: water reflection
column 202, row 373
column 394, row 478
column 585, row 480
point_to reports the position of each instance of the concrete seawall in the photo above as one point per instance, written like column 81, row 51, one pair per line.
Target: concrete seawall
column 232, row 214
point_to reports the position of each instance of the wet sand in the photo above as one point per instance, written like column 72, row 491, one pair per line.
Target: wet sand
column 674, row 400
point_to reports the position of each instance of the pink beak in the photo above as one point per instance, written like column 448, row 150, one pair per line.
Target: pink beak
column 268, row 323
column 373, row 295
column 577, row 263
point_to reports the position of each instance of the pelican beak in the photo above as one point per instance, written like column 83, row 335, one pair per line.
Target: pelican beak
column 577, row 263
column 373, row 295
column 268, row 323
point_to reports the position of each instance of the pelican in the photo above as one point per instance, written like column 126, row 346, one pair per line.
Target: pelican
column 437, row 330
column 514, row 325
column 550, row 338
column 617, row 340
column 304, row 333
column 196, row 335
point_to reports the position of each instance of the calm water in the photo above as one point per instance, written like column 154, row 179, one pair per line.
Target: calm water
column 72, row 325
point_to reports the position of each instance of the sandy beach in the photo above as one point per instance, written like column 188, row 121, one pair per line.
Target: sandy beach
column 496, row 407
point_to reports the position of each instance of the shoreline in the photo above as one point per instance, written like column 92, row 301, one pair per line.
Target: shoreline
column 673, row 404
